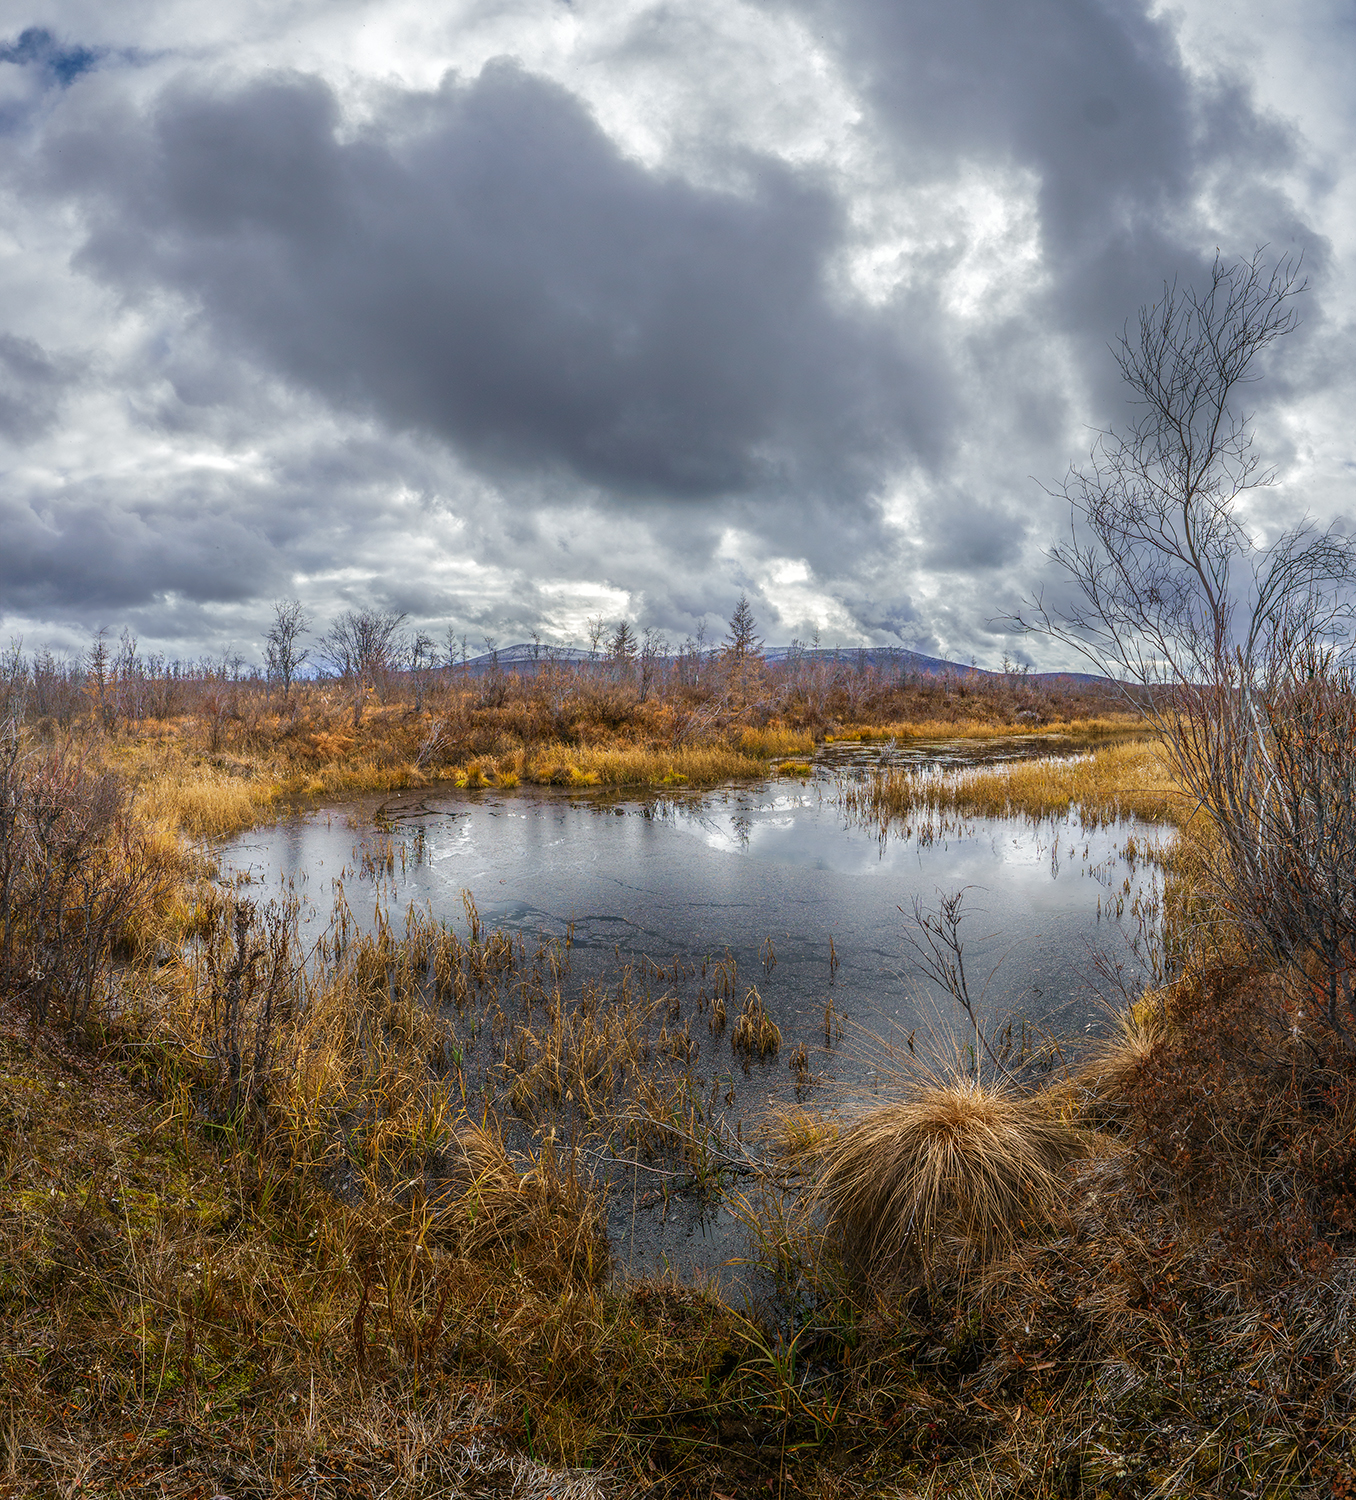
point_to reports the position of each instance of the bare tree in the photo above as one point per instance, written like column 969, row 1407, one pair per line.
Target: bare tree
column 939, row 952
column 654, row 647
column 423, row 660
column 284, row 655
column 1169, row 585
column 363, row 646
column 1209, row 634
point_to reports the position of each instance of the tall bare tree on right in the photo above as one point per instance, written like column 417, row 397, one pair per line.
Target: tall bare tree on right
column 1231, row 646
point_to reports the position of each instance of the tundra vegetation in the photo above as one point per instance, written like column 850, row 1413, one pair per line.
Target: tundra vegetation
column 327, row 1217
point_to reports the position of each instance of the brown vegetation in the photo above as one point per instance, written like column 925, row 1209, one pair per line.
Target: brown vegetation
column 211, row 746
column 938, row 1184
column 271, row 1222
column 1129, row 777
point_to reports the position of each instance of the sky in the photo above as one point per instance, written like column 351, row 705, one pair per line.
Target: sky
column 509, row 315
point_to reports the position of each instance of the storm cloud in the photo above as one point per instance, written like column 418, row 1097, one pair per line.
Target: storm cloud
column 485, row 265
column 608, row 326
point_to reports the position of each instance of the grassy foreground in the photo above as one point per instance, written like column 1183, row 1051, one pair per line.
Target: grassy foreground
column 270, row 1224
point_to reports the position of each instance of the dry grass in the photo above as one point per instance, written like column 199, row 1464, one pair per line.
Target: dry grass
column 370, row 1259
column 755, row 1034
column 1130, row 779
column 633, row 765
column 1069, row 733
column 1111, row 1070
column 203, row 800
column 938, row 1184
column 182, row 1316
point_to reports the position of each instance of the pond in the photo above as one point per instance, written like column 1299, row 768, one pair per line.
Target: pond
column 774, row 880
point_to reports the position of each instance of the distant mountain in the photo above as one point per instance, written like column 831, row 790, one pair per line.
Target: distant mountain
column 528, row 657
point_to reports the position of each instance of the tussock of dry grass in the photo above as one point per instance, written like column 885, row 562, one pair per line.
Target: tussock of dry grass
column 940, row 1182
column 755, row 1034
column 1111, row 1068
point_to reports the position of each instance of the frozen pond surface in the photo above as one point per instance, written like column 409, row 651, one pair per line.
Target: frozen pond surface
column 694, row 875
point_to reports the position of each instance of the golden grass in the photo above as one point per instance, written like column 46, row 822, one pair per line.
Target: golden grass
column 203, row 800
column 1081, row 731
column 223, row 1325
column 179, row 791
column 635, row 765
column 774, row 740
column 1110, row 1070
column 1130, row 779
column 938, row 1184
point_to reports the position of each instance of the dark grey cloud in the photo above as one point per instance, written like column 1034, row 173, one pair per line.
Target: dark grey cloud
column 591, row 372
column 484, row 264
column 1095, row 99
column 32, row 383
column 98, row 548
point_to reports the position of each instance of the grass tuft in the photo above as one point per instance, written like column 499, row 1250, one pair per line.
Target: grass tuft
column 939, row 1184
column 755, row 1033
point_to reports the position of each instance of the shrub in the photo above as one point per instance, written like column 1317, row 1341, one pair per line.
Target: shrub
column 75, row 874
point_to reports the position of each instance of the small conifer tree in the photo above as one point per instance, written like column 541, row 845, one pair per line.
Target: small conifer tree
column 742, row 639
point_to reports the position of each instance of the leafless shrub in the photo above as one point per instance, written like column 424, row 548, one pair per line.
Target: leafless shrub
column 1227, row 647
column 251, row 973
column 74, row 871
column 1290, row 874
column 363, row 647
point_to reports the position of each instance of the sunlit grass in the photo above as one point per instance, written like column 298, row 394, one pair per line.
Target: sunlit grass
column 1076, row 731
column 1129, row 779
column 637, row 765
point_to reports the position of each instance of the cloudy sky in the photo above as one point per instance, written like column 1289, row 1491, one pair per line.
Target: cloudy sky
column 511, row 313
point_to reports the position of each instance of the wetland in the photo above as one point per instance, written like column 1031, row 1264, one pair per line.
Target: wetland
column 678, row 906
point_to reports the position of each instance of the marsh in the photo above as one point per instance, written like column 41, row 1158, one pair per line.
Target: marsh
column 775, row 887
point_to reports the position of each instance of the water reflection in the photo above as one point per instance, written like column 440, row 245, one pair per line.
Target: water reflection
column 807, row 905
